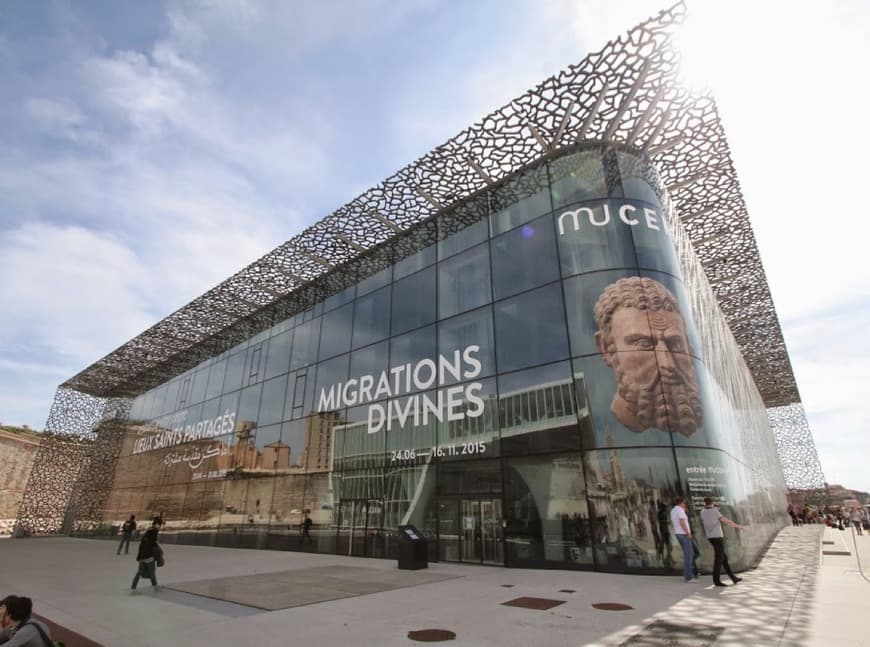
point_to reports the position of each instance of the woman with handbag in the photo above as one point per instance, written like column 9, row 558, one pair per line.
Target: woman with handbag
column 149, row 556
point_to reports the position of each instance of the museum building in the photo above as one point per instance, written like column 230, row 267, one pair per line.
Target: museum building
column 526, row 344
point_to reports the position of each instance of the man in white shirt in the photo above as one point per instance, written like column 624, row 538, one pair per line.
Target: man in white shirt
column 680, row 522
column 712, row 521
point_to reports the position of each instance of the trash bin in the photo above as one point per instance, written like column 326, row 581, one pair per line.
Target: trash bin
column 413, row 549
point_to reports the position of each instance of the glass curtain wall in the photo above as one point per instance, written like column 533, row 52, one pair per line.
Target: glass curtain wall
column 523, row 378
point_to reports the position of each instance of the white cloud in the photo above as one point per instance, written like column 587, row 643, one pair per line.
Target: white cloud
column 71, row 291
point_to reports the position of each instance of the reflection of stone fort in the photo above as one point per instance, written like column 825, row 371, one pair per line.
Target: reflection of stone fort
column 351, row 463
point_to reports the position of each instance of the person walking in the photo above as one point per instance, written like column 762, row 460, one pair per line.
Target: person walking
column 147, row 556
column 712, row 520
column 127, row 534
column 680, row 523
column 306, row 528
column 857, row 521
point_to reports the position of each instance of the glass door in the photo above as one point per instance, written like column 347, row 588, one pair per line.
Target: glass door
column 374, row 529
column 360, row 528
column 470, row 531
column 347, row 509
column 492, row 532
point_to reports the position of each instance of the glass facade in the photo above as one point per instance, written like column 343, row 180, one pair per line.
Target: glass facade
column 524, row 378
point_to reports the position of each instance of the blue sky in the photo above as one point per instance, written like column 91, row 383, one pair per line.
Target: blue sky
column 151, row 149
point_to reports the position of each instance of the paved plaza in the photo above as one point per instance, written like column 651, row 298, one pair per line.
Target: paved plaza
column 806, row 591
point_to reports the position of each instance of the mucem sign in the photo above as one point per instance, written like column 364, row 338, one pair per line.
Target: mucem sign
column 512, row 345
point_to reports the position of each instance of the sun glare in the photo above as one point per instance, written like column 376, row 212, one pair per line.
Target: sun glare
column 717, row 38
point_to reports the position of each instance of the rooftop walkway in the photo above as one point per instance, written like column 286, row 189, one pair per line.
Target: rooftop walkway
column 218, row 596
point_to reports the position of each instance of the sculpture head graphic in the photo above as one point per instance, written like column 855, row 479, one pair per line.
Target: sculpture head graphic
column 642, row 336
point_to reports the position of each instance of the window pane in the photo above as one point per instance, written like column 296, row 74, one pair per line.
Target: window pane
column 462, row 240
column 473, row 430
column 632, row 533
column 216, row 378
column 415, row 250
column 378, row 280
column 305, row 340
column 639, row 178
column 537, row 411
column 335, row 332
column 547, row 512
column 577, row 177
column 410, row 348
column 171, row 397
column 255, row 361
column 272, row 404
column 414, row 301
column 524, row 258
column 331, row 376
column 371, row 360
column 581, row 295
column 520, row 200
column 652, row 241
column 249, row 404
column 200, row 382
column 530, row 329
column 597, row 235
column 293, row 435
column 339, row 299
column 371, row 320
column 463, row 281
column 471, row 329
column 278, row 360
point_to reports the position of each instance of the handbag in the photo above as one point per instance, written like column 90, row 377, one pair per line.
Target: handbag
column 158, row 555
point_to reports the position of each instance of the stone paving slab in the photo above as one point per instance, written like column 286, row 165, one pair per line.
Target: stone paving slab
column 795, row 598
column 299, row 587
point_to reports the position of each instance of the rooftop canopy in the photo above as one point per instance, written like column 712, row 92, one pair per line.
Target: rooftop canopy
column 626, row 95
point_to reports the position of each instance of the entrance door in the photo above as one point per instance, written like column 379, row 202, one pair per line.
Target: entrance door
column 470, row 530
column 360, row 528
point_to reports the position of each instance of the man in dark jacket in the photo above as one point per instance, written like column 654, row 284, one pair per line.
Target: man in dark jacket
column 146, row 557
column 127, row 534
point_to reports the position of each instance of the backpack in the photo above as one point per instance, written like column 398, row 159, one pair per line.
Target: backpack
column 127, row 527
column 45, row 639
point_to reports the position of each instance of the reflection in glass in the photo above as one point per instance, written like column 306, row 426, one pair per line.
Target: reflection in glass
column 413, row 302
column 249, row 404
column 412, row 347
column 216, row 379
column 463, row 281
column 335, row 332
column 371, row 321
column 577, row 177
column 524, row 258
column 272, row 404
column 546, row 511
column 235, row 371
column 305, row 339
column 530, row 329
column 630, row 492
column 463, row 239
column 278, row 360
column 592, row 236
column 471, row 329
column 537, row 411
column 520, row 200
column 473, row 431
